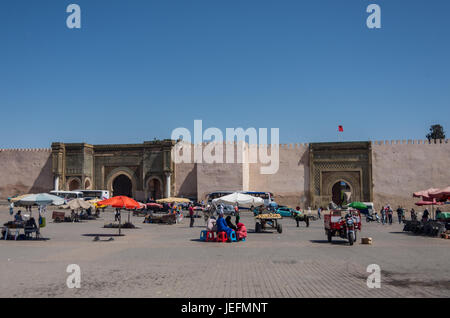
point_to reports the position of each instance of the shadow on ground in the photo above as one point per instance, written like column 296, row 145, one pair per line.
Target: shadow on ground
column 340, row 242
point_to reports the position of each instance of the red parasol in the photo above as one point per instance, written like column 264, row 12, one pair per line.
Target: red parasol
column 121, row 202
column 154, row 205
column 442, row 194
column 430, row 202
column 425, row 194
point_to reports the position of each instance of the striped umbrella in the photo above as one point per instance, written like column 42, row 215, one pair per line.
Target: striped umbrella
column 41, row 199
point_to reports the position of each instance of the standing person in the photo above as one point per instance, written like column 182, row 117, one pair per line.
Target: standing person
column 400, row 214
column 437, row 212
column 318, row 212
column 383, row 215
column 11, row 208
column 425, row 215
column 413, row 215
column 117, row 215
column 191, row 215
column 389, row 213
column 236, row 213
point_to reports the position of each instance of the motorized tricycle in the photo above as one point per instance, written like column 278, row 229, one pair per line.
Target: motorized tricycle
column 342, row 223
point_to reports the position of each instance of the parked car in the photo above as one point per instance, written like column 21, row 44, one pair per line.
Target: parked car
column 228, row 210
column 285, row 211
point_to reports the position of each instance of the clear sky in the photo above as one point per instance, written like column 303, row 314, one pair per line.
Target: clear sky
column 138, row 69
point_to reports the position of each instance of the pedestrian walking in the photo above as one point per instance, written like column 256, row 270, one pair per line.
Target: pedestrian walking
column 318, row 212
column 191, row 215
column 383, row 215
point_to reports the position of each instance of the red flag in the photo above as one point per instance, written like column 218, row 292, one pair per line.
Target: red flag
column 341, row 129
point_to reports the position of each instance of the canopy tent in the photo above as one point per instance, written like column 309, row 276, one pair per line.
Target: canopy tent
column 41, row 199
column 240, row 199
column 173, row 200
column 78, row 204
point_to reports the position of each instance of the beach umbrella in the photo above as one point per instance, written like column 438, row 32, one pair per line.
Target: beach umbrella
column 78, row 204
column 154, row 205
column 95, row 203
column 443, row 194
column 240, row 199
column 121, row 202
column 173, row 200
column 426, row 202
column 18, row 198
column 358, row 205
column 425, row 194
column 41, row 199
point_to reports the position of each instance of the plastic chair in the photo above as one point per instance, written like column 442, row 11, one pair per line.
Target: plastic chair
column 222, row 237
column 203, row 235
column 233, row 237
column 211, row 236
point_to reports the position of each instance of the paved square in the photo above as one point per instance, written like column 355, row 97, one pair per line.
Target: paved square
column 170, row 261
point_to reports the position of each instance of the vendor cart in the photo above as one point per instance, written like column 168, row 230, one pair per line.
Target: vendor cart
column 265, row 220
column 162, row 218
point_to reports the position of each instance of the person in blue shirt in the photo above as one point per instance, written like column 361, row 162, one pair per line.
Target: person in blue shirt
column 222, row 225
column 18, row 216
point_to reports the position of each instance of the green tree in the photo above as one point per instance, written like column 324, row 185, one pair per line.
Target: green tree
column 436, row 132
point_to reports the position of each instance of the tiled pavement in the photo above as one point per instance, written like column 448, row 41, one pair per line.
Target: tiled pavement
column 170, row 261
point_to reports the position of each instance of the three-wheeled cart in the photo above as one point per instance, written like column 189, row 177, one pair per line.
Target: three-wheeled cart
column 265, row 220
column 336, row 224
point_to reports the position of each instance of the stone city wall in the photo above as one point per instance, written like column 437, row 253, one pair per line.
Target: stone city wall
column 402, row 167
column 25, row 171
column 399, row 168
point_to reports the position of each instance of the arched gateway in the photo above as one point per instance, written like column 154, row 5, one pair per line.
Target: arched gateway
column 340, row 173
column 121, row 169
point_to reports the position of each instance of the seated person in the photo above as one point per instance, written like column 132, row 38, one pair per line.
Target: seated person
column 211, row 225
column 222, row 225
column 241, row 232
column 147, row 218
column 229, row 223
column 18, row 217
column 31, row 223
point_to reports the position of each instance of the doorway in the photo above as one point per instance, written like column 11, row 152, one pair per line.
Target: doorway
column 341, row 193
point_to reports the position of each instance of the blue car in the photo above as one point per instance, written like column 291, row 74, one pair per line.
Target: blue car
column 284, row 211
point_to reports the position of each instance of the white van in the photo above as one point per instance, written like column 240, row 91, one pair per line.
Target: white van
column 68, row 195
column 95, row 194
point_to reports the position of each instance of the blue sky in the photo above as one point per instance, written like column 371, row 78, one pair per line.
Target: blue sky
column 138, row 69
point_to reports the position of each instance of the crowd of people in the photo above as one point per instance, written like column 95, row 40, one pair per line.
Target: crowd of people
column 226, row 225
column 386, row 213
